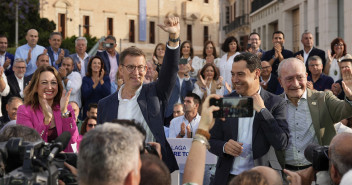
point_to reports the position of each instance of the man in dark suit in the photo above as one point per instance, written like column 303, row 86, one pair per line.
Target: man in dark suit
column 278, row 53
column 6, row 59
column 109, row 56
column 56, row 54
column 146, row 102
column 309, row 50
column 81, row 57
column 16, row 83
column 242, row 143
column 268, row 80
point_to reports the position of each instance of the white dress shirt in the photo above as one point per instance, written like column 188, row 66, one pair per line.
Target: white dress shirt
column 225, row 67
column 175, row 125
column 74, row 82
column 113, row 67
column 20, row 83
column 129, row 109
column 6, row 91
column 83, row 67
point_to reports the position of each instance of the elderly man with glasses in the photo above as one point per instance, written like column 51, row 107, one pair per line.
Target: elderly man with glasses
column 145, row 103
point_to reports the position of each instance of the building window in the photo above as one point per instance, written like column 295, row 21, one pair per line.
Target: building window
column 86, row 25
column 110, row 28
column 152, row 32
column 189, row 32
column 206, row 1
column 227, row 15
column 62, row 24
column 205, row 34
column 131, row 33
column 234, row 11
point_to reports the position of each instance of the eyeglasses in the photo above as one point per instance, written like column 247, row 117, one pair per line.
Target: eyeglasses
column 20, row 67
column 336, row 45
column 92, row 125
column 131, row 68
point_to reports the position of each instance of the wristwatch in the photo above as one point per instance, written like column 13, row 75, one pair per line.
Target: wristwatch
column 66, row 114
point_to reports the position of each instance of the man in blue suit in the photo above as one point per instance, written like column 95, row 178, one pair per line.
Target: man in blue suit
column 81, row 57
column 56, row 54
column 110, row 57
column 309, row 50
column 6, row 59
column 243, row 143
column 146, row 103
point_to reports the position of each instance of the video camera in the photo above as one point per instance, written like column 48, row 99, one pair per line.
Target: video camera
column 318, row 156
column 30, row 163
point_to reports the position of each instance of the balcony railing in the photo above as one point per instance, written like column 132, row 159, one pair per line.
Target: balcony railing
column 256, row 4
column 238, row 22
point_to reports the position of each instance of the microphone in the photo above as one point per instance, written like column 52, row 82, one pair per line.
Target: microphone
column 60, row 144
column 308, row 152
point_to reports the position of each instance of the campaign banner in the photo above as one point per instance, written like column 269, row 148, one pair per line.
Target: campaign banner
column 181, row 147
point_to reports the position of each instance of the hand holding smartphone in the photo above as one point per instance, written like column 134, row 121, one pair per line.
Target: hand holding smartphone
column 233, row 107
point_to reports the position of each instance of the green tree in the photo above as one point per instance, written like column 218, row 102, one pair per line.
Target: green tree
column 29, row 18
column 69, row 43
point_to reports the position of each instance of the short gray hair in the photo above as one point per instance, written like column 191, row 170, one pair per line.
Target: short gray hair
column 81, row 38
column 340, row 158
column 306, row 32
column 286, row 61
column 314, row 58
column 108, row 153
column 18, row 60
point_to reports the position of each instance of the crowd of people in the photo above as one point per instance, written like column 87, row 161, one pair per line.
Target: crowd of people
column 299, row 99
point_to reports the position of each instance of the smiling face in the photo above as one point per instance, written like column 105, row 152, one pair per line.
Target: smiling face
column 186, row 49
column 92, row 123
column 278, row 38
column 133, row 78
column 160, row 51
column 12, row 108
column 339, row 48
column 48, row 86
column 96, row 65
column 255, row 41
column 315, row 67
column 209, row 73
column 3, row 44
column 293, row 78
column 245, row 82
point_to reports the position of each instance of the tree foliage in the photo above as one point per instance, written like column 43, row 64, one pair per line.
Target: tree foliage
column 28, row 11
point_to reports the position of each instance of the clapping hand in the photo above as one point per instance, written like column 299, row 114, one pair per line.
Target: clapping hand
column 79, row 65
column 7, row 62
column 64, row 100
column 310, row 85
column 47, row 110
column 347, row 82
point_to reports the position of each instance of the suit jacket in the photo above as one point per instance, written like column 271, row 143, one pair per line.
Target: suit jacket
column 51, row 56
column 14, row 91
column 34, row 118
column 152, row 102
column 325, row 109
column 104, row 55
column 269, row 129
column 187, row 86
column 76, row 60
column 9, row 71
column 315, row 51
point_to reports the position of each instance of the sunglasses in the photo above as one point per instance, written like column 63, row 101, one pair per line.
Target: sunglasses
column 92, row 125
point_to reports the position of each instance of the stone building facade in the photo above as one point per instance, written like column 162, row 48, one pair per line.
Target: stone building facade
column 134, row 22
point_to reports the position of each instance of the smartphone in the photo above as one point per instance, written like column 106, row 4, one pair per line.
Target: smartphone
column 183, row 61
column 108, row 45
column 233, row 107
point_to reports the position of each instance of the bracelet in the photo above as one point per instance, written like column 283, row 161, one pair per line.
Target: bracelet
column 174, row 40
column 66, row 114
column 202, row 140
column 204, row 133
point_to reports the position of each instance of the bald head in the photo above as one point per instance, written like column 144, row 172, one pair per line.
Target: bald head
column 340, row 150
column 290, row 62
column 269, row 174
column 32, row 37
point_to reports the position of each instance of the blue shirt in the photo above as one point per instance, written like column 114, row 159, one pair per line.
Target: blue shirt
column 22, row 52
column 324, row 82
column 268, row 55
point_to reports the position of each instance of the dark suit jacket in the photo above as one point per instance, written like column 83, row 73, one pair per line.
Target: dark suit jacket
column 315, row 51
column 152, row 101
column 14, row 91
column 51, row 56
column 9, row 71
column 269, row 129
column 187, row 86
column 104, row 55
